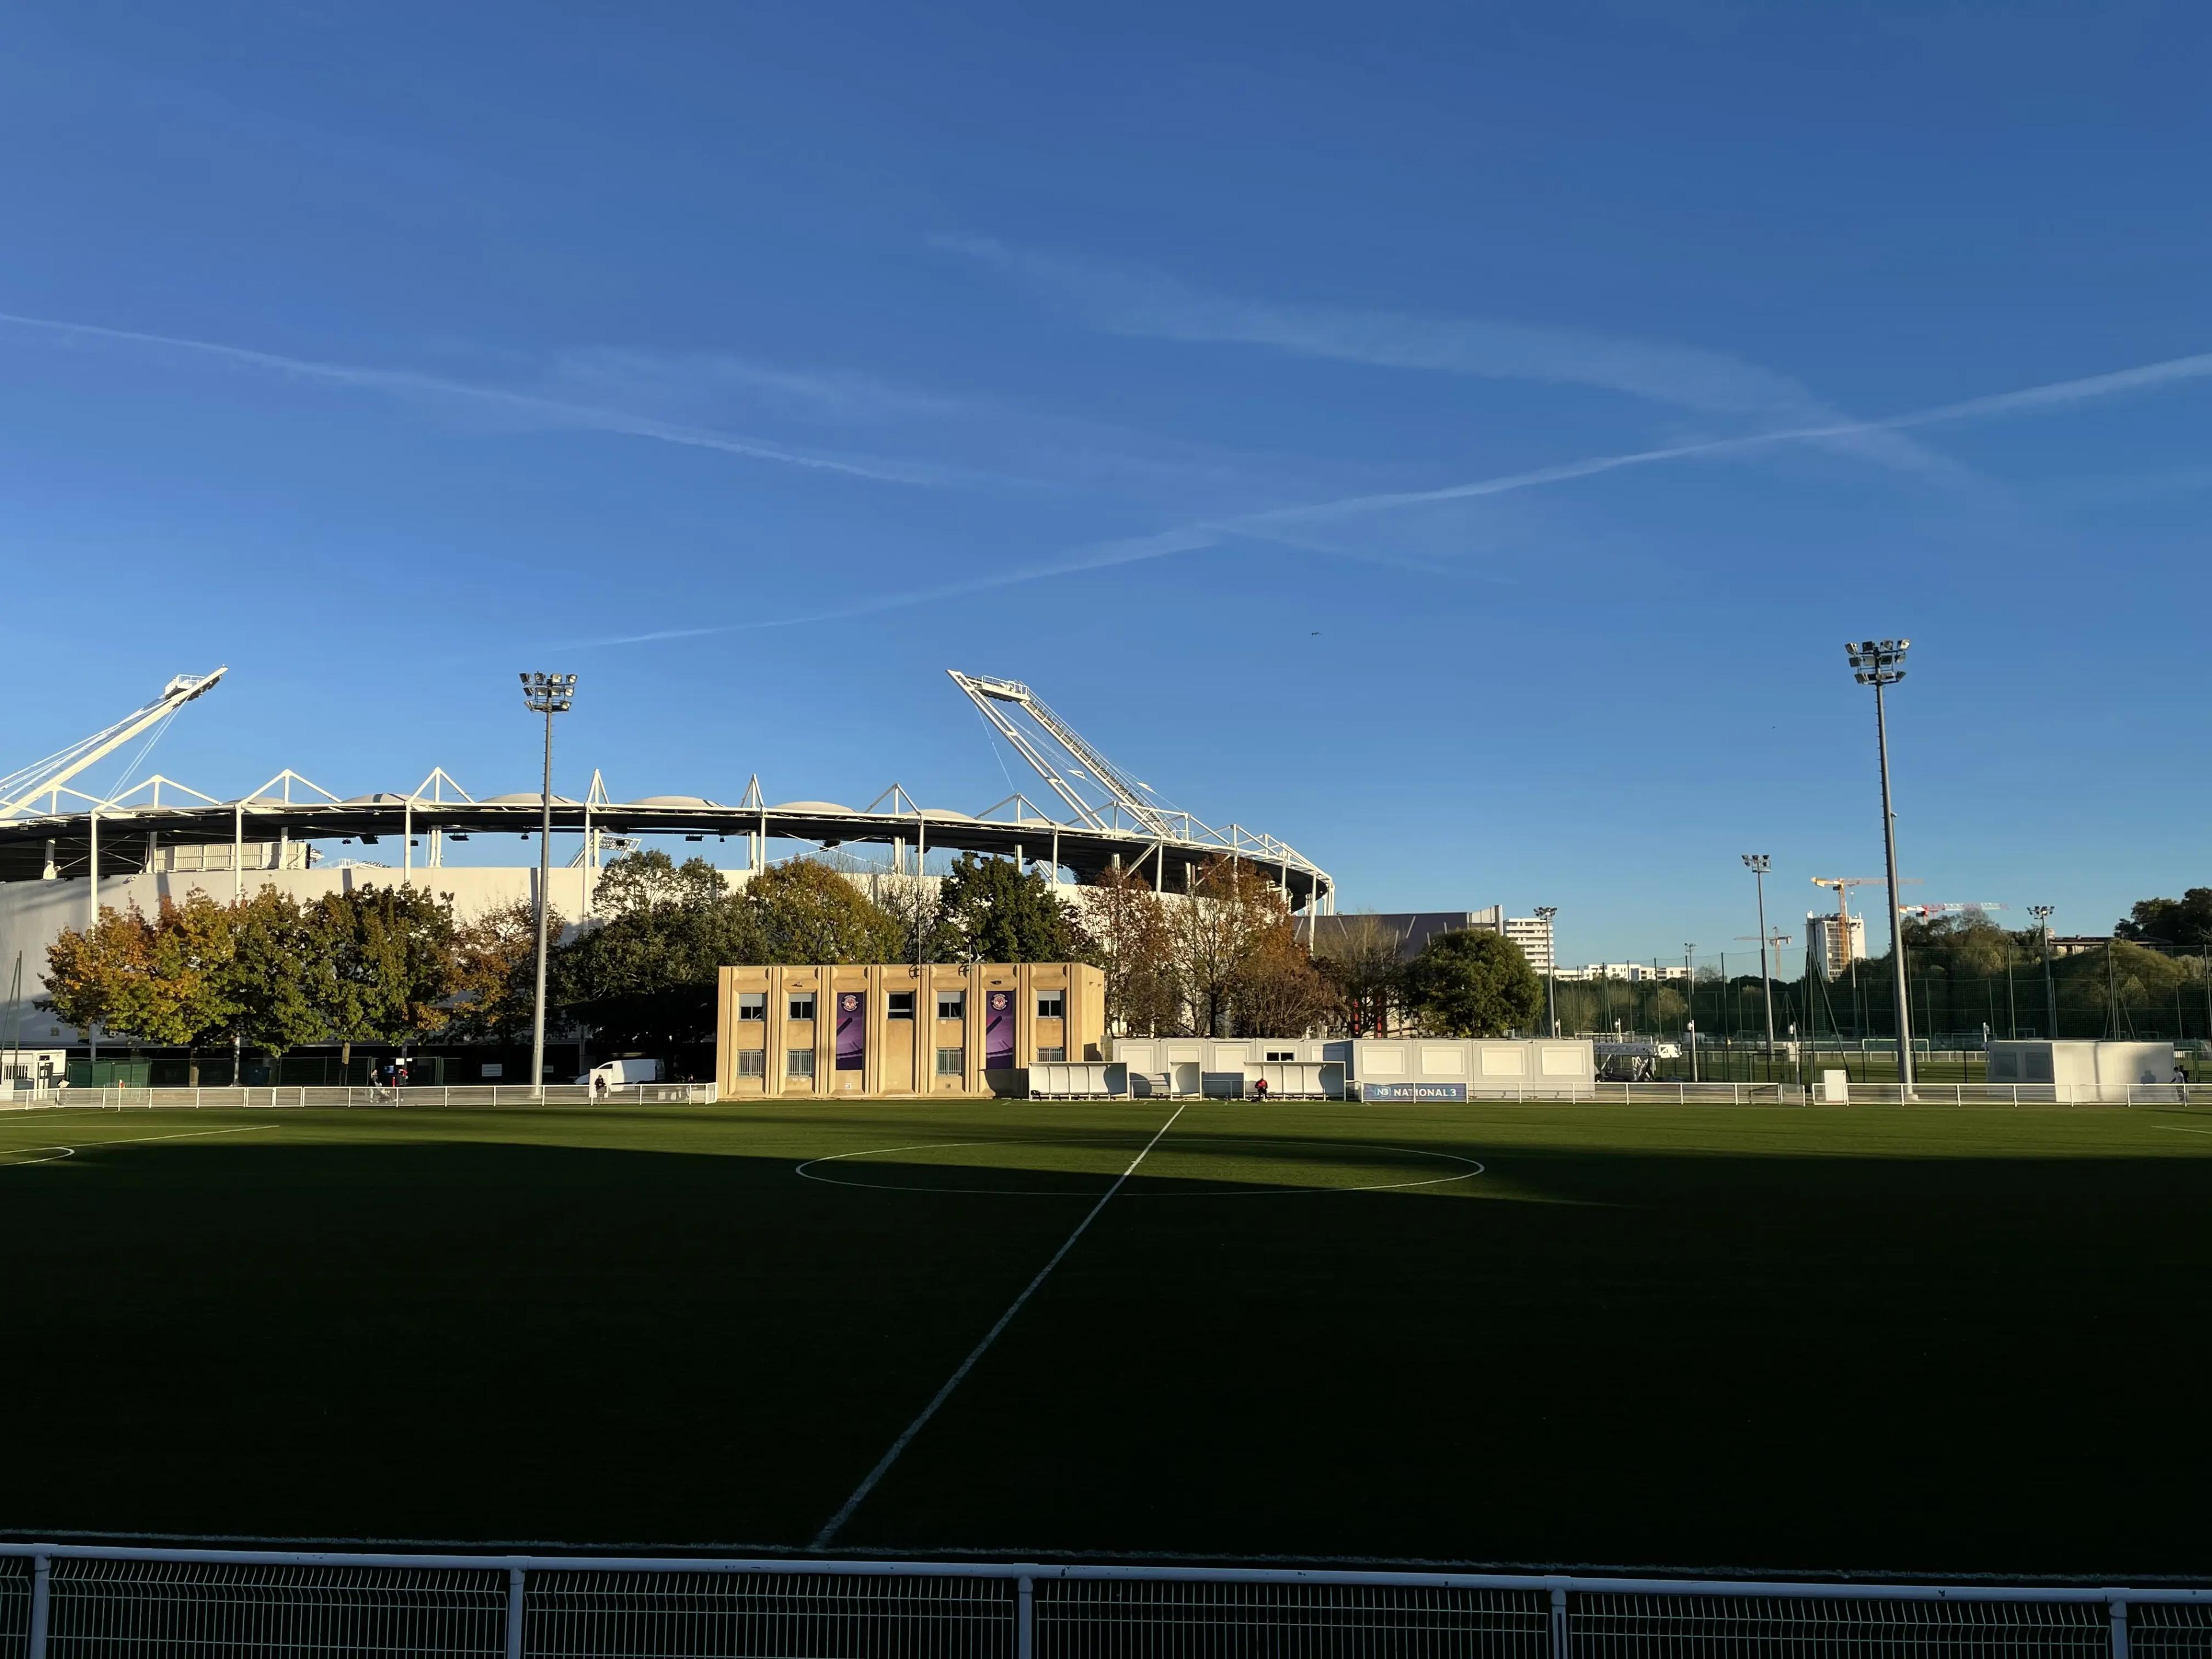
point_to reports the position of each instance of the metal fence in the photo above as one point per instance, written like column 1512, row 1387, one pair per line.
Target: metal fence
column 63, row 1601
column 477, row 1095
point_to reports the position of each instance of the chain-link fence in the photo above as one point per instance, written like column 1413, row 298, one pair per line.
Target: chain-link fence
column 89, row 1602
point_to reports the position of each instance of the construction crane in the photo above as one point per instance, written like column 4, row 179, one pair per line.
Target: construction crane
column 47, row 777
column 1840, row 952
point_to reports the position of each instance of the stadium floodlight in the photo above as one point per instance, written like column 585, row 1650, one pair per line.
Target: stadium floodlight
column 1544, row 913
column 548, row 695
column 2042, row 914
column 1880, row 663
column 1759, row 863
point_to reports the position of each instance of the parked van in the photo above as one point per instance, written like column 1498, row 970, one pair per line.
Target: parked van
column 616, row 1074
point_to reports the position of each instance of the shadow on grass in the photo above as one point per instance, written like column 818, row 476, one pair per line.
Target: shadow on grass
column 1946, row 1364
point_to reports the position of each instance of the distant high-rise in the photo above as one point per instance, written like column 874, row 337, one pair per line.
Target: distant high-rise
column 1534, row 935
column 1834, row 945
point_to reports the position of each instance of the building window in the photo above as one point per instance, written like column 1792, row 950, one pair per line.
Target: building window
column 1278, row 1053
column 801, row 1006
column 752, row 1062
column 952, row 1005
column 1052, row 1056
column 752, row 1005
column 798, row 1063
column 898, row 1005
column 948, row 1063
column 1052, row 1004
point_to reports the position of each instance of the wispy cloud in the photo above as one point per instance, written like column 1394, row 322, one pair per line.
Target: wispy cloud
column 536, row 408
column 1152, row 304
column 1280, row 523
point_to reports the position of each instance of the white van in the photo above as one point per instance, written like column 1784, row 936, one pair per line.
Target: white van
column 616, row 1074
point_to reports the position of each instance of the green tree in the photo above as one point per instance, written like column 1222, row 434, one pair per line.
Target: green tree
column 807, row 912
column 1471, row 984
column 277, row 947
column 2184, row 923
column 381, row 962
column 992, row 911
column 645, row 977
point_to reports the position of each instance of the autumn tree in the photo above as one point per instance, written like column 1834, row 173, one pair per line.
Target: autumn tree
column 165, row 979
column 1133, row 945
column 1237, row 956
column 1358, row 954
column 495, row 971
column 1467, row 983
column 807, row 912
column 277, row 946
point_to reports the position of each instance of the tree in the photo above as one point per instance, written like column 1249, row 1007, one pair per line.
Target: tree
column 1131, row 943
column 992, row 911
column 2184, row 923
column 807, row 912
column 276, row 950
column 645, row 978
column 1470, row 984
column 1359, row 956
column 496, row 970
column 382, row 963
column 1233, row 940
column 165, row 981
column 1280, row 992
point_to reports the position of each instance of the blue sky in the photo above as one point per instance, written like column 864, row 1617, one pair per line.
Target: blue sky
column 1456, row 441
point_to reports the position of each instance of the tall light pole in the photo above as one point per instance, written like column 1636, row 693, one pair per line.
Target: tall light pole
column 548, row 695
column 2042, row 914
column 1690, row 1002
column 1544, row 913
column 1880, row 663
column 1759, row 863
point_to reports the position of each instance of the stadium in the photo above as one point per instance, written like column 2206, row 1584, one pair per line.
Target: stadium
column 64, row 853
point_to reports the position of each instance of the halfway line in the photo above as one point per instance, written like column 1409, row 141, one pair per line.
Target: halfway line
column 832, row 1526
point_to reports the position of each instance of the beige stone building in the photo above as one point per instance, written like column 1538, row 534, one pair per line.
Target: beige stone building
column 888, row 1030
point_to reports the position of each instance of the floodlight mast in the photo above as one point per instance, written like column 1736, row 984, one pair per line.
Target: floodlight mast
column 1545, row 913
column 1759, row 863
column 2042, row 914
column 1880, row 663
column 548, row 695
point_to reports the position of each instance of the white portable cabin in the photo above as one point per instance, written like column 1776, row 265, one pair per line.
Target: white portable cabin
column 1362, row 1068
column 1471, row 1068
column 1226, row 1068
column 2083, row 1071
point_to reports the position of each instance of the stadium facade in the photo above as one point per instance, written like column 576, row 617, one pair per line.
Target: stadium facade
column 65, row 854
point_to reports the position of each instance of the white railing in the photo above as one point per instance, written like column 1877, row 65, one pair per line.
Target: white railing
column 1856, row 1094
column 57, row 1599
column 338, row 1096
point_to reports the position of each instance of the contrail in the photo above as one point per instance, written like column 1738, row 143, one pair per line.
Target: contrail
column 404, row 383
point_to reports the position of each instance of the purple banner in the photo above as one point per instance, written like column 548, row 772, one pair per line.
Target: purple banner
column 998, row 1030
column 852, row 1030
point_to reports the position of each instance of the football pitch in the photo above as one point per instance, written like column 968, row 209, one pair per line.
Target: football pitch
column 1934, row 1340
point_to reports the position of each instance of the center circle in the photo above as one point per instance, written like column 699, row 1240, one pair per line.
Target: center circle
column 812, row 1169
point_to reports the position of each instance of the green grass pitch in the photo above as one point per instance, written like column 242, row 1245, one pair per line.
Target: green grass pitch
column 1932, row 1341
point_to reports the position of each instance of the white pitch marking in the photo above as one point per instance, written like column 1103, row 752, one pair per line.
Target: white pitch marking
column 829, row 1529
column 1473, row 1168
column 125, row 1140
column 2185, row 1129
